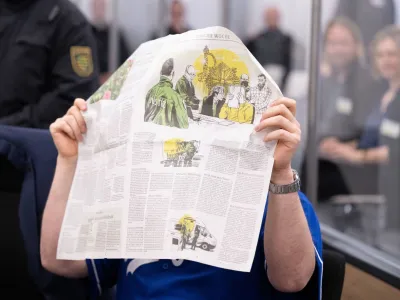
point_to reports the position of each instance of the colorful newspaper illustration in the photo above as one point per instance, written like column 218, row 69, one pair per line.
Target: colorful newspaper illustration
column 170, row 167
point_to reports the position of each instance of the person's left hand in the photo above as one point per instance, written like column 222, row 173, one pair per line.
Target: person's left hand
column 280, row 117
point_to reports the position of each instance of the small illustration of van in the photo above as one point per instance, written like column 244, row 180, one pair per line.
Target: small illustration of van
column 190, row 233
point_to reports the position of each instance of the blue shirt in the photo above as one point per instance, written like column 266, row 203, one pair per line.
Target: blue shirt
column 370, row 136
column 181, row 280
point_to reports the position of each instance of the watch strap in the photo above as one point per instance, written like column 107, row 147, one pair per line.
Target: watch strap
column 293, row 187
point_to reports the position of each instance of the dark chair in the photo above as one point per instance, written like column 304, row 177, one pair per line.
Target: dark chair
column 332, row 279
column 333, row 276
column 32, row 151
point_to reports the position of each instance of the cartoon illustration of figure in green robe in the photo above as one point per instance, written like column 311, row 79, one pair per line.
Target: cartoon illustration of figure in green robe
column 164, row 106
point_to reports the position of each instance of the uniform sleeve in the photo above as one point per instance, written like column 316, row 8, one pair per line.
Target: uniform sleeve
column 70, row 76
column 103, row 275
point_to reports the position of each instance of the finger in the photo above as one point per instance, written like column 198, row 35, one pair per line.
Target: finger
column 62, row 127
column 76, row 113
column 80, row 104
column 278, row 110
column 71, row 121
column 289, row 103
column 277, row 121
column 282, row 135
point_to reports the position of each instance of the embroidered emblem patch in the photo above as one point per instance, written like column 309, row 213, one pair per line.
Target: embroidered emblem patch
column 82, row 60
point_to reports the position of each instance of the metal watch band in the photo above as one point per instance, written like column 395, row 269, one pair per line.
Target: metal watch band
column 287, row 188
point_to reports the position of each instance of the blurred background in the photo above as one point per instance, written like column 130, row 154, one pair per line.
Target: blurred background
column 346, row 81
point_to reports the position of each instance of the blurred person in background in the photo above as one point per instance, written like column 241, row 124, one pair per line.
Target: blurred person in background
column 177, row 22
column 370, row 15
column 273, row 47
column 379, row 143
column 347, row 95
column 101, row 29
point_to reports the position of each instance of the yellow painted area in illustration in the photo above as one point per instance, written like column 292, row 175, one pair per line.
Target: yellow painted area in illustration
column 172, row 146
column 218, row 67
column 188, row 221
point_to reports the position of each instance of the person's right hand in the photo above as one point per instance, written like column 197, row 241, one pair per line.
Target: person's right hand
column 67, row 131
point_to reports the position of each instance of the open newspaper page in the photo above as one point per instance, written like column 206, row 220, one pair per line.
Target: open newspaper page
column 171, row 167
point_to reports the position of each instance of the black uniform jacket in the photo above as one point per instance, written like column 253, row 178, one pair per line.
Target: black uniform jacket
column 47, row 59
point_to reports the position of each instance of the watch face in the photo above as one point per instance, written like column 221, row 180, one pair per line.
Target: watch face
column 296, row 175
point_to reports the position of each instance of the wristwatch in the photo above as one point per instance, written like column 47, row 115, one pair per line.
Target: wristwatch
column 287, row 188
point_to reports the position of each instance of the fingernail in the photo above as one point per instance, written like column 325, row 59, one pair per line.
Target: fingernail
column 256, row 128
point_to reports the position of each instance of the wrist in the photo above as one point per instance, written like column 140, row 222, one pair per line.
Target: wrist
column 67, row 161
column 363, row 156
column 282, row 176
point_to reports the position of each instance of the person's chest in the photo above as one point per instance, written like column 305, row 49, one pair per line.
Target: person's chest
column 183, row 279
column 270, row 47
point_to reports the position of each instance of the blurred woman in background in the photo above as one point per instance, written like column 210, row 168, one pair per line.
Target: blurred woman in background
column 347, row 95
column 379, row 142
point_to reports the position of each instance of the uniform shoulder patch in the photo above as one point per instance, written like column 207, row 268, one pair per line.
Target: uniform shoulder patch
column 82, row 60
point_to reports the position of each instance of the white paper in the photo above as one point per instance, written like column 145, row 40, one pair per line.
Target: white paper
column 149, row 191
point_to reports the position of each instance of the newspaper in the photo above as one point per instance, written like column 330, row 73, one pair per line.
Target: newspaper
column 171, row 167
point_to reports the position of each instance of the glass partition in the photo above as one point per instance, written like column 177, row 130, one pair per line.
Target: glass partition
column 358, row 117
column 358, row 125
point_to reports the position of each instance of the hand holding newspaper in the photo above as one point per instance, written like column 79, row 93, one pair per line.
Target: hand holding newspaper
column 170, row 167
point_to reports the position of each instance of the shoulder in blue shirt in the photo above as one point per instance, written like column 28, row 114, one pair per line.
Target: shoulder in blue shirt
column 138, row 279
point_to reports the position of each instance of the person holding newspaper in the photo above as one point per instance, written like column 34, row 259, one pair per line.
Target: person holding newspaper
column 287, row 263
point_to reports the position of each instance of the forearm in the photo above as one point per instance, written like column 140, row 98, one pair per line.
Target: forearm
column 376, row 155
column 331, row 147
column 328, row 145
column 52, row 220
column 288, row 245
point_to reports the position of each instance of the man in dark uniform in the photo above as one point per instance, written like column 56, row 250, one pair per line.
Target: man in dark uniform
column 46, row 61
column 273, row 47
column 101, row 34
